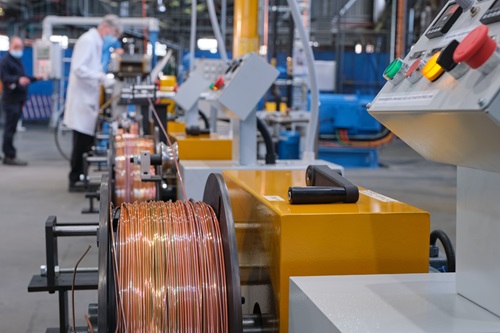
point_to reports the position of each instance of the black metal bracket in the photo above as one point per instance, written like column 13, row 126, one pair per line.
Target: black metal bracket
column 91, row 196
column 51, row 281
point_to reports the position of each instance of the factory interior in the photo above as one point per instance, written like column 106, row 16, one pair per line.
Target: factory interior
column 250, row 166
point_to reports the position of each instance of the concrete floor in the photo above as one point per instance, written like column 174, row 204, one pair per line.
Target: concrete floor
column 29, row 195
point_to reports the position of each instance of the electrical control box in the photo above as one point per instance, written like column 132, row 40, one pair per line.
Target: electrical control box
column 189, row 92
column 443, row 97
column 243, row 84
column 47, row 59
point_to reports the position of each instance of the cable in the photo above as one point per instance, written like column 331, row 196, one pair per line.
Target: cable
column 270, row 153
column 448, row 248
column 89, row 324
column 343, row 139
column 73, row 286
column 205, row 119
column 171, row 268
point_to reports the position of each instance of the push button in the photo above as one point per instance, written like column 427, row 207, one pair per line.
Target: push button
column 446, row 61
column 478, row 50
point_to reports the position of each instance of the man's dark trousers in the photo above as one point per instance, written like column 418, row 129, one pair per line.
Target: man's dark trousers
column 82, row 143
column 13, row 111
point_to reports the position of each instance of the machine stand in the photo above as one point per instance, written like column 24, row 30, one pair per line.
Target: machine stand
column 91, row 196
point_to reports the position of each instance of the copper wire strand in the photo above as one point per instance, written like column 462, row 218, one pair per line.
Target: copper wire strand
column 170, row 145
column 89, row 324
column 73, row 286
column 171, row 274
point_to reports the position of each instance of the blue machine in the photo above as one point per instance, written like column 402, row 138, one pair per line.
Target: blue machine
column 289, row 145
column 347, row 113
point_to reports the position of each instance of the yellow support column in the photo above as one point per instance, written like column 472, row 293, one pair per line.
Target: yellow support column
column 246, row 19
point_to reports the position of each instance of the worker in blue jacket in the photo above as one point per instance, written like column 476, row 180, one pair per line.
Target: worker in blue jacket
column 15, row 91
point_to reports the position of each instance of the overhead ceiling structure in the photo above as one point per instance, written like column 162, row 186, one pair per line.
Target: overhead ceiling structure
column 25, row 15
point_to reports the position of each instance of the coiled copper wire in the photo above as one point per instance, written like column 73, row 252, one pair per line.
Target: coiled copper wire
column 128, row 184
column 171, row 274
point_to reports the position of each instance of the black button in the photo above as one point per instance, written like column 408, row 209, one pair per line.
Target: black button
column 445, row 59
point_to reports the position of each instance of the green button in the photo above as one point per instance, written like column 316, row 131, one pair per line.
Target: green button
column 393, row 69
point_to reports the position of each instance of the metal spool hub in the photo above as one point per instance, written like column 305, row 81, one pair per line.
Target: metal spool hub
column 217, row 196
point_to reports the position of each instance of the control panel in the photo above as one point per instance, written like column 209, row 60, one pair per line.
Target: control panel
column 443, row 97
column 47, row 59
column 210, row 69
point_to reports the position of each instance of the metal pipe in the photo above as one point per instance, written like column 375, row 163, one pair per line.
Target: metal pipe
column 289, row 87
column 223, row 19
column 71, row 231
column 245, row 31
column 216, row 29
column 57, row 270
column 393, row 31
column 150, row 23
column 192, row 36
column 400, row 33
column 309, row 151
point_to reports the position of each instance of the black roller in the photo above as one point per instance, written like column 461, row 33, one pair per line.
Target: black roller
column 316, row 194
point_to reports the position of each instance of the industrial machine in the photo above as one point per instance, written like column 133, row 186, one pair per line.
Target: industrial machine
column 443, row 100
column 224, row 263
column 265, row 224
column 265, row 239
column 348, row 134
column 237, row 93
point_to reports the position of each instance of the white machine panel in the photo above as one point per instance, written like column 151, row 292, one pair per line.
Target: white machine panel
column 409, row 303
column 445, row 119
column 245, row 82
column 47, row 59
column 189, row 92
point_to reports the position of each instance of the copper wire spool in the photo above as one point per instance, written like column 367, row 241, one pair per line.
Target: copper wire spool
column 171, row 273
column 128, row 184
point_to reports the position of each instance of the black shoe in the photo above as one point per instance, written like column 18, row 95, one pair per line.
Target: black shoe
column 14, row 161
column 76, row 187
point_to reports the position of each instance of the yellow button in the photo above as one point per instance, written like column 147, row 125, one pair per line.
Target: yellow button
column 432, row 71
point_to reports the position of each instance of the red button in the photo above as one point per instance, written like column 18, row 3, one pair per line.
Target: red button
column 219, row 82
column 413, row 67
column 476, row 48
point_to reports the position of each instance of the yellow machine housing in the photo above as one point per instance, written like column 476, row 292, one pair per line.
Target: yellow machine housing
column 168, row 83
column 176, row 127
column 277, row 240
column 206, row 147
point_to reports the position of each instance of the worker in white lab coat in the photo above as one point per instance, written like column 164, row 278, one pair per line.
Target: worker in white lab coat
column 82, row 97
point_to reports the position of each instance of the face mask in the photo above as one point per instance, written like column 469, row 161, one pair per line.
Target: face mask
column 109, row 39
column 16, row 53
